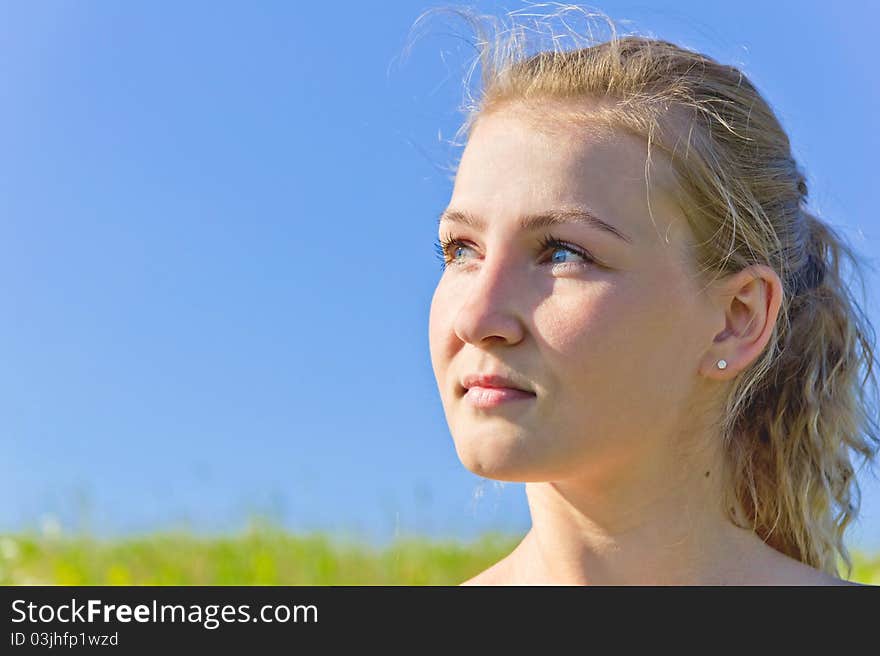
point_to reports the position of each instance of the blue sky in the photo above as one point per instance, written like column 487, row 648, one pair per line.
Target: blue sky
column 217, row 224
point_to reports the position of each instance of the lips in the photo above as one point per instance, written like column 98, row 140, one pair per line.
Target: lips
column 491, row 397
column 494, row 381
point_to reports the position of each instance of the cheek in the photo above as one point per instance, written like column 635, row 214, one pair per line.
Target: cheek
column 616, row 359
column 580, row 343
column 439, row 331
column 580, row 330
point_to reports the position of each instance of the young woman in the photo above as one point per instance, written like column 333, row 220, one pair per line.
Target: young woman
column 640, row 319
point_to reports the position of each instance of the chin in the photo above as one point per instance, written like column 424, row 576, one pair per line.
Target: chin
column 500, row 462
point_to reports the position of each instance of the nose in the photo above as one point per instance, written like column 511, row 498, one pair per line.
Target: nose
column 489, row 307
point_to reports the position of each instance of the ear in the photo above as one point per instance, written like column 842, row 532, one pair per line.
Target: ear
column 748, row 303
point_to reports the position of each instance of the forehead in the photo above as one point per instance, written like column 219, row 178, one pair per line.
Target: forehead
column 514, row 165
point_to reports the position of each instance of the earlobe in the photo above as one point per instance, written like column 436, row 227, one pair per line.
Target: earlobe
column 717, row 369
column 752, row 302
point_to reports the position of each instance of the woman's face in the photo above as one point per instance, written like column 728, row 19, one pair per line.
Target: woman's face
column 611, row 348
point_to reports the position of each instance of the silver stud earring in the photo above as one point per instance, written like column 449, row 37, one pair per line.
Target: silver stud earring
column 722, row 364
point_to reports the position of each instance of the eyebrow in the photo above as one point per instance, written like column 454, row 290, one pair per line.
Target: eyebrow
column 539, row 220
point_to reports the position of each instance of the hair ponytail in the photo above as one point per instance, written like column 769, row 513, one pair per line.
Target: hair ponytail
column 792, row 440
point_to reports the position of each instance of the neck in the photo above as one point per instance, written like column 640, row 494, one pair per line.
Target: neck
column 647, row 523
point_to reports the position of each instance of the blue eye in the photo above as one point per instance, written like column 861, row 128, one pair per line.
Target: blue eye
column 448, row 251
column 561, row 249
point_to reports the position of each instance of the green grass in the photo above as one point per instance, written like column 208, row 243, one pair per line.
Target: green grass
column 262, row 555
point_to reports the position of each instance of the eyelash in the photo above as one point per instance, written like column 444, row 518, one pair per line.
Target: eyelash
column 442, row 247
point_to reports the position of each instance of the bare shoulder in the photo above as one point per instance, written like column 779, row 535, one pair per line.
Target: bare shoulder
column 498, row 574
column 504, row 572
column 788, row 571
column 490, row 576
column 815, row 577
column 479, row 579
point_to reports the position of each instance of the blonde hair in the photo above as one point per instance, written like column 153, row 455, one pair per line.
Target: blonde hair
column 794, row 418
